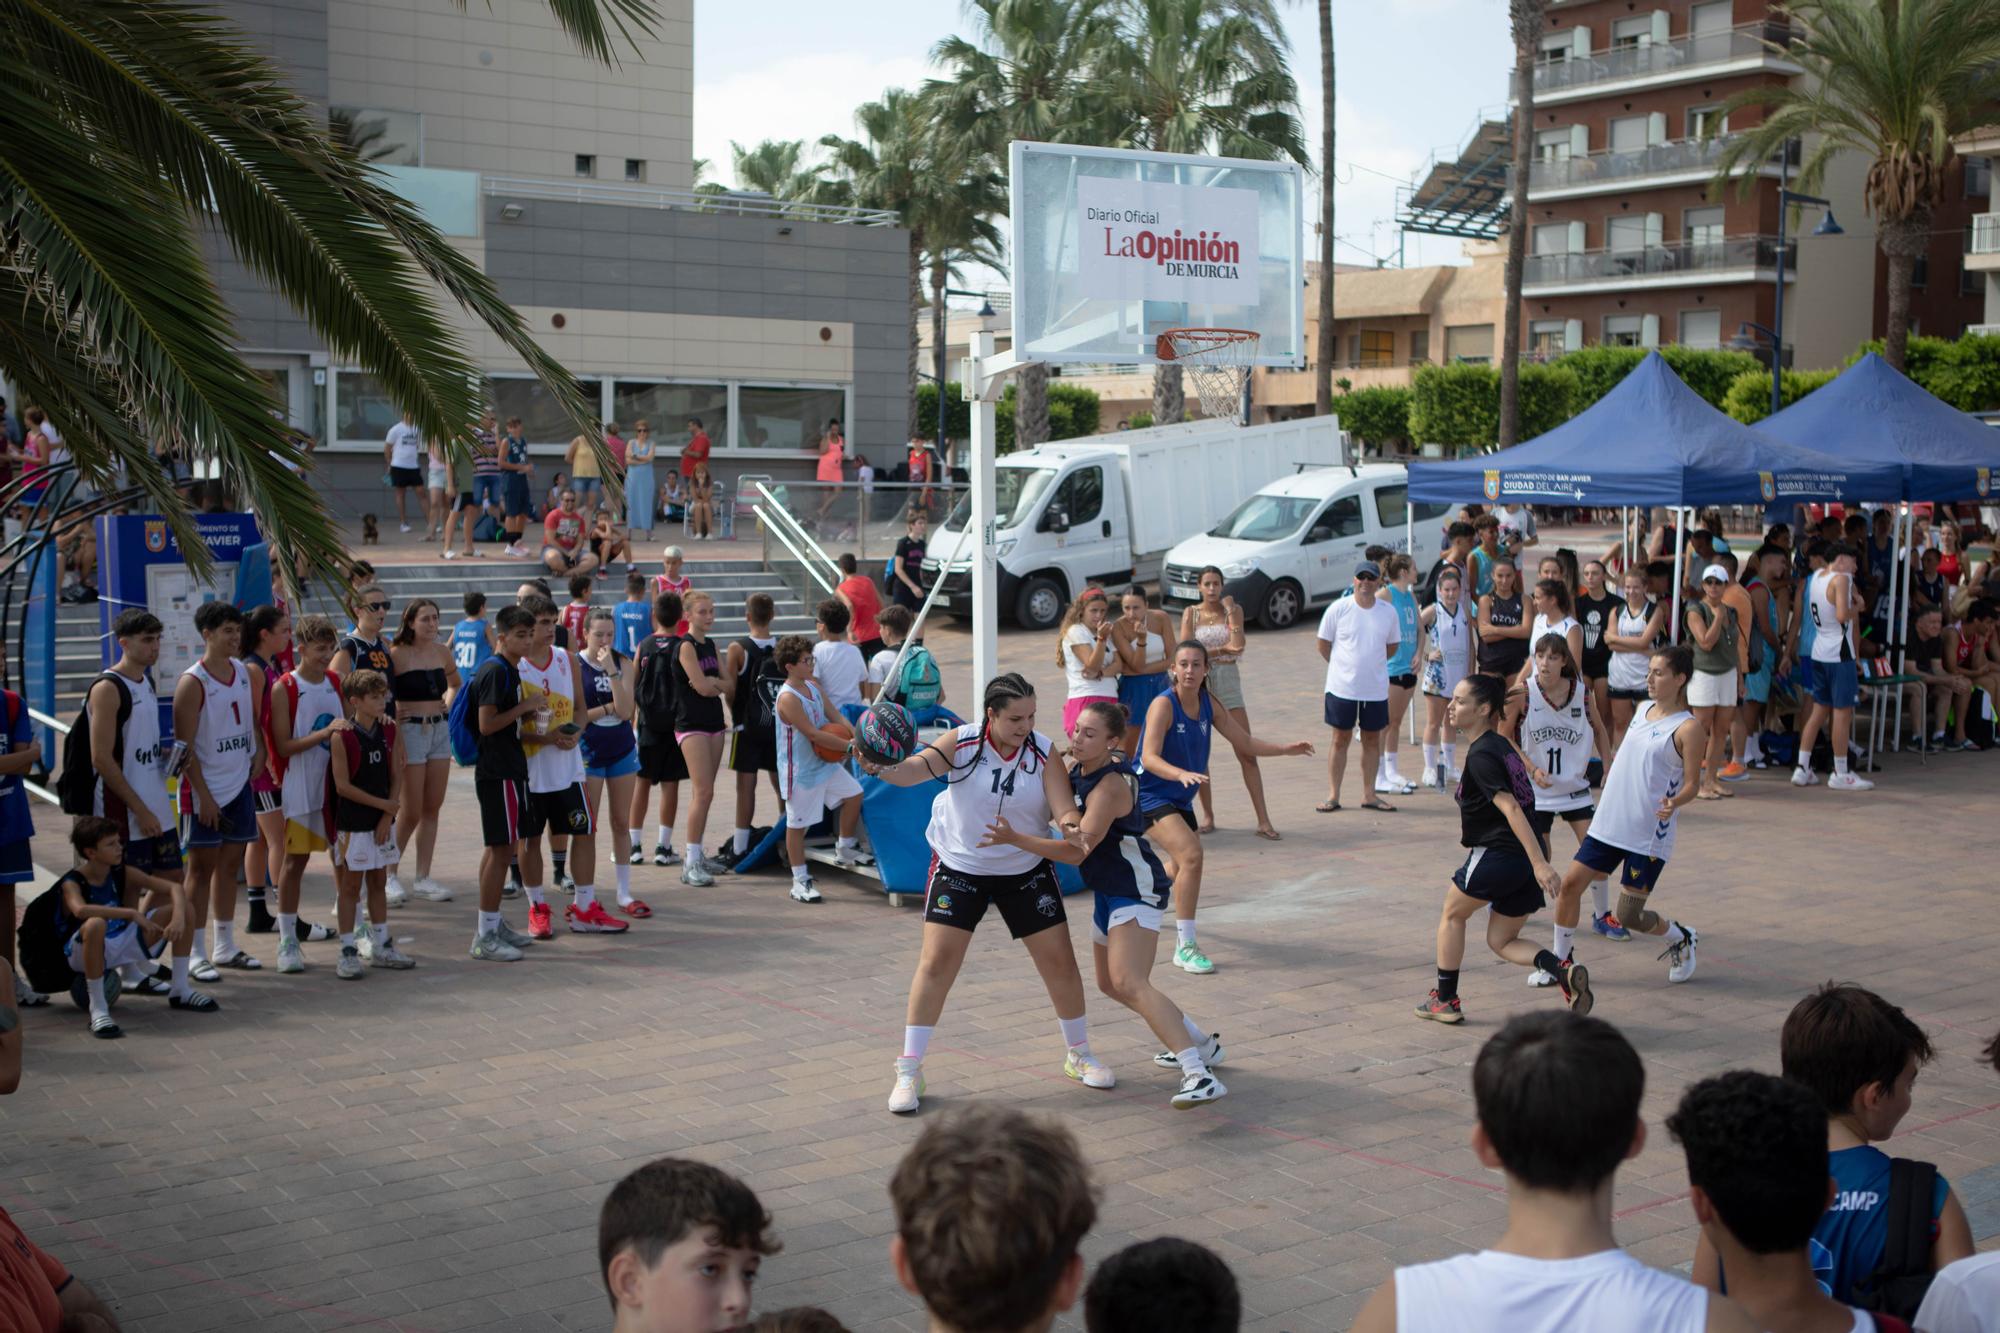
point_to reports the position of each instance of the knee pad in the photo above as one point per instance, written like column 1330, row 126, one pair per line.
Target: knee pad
column 1634, row 914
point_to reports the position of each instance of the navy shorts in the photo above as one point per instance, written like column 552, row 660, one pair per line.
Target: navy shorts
column 17, row 862
column 155, row 856
column 1835, row 684
column 237, row 825
column 1345, row 714
column 1640, row 872
column 1502, row 878
column 514, row 495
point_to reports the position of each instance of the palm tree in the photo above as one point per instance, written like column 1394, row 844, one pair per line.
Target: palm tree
column 1197, row 76
column 122, row 122
column 1891, row 80
column 1021, row 76
column 1323, row 354
column 1525, row 17
column 779, row 168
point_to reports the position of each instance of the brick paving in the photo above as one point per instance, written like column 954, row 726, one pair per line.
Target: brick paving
column 427, row 1150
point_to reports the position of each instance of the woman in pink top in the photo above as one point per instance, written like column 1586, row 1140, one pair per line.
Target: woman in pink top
column 832, row 463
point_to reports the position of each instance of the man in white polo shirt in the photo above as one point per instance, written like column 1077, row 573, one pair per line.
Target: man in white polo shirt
column 1357, row 637
column 403, row 451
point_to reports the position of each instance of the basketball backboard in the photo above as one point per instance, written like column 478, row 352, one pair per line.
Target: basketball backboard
column 1112, row 247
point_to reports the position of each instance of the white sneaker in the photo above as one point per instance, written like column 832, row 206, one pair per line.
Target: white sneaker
column 490, row 948
column 1430, row 776
column 431, row 891
column 389, row 956
column 1088, row 1070
column 406, row 527
column 908, row 1093
column 1540, row 978
column 1211, row 1053
column 398, row 895
column 1849, row 782
column 850, row 857
column 1681, row 960
column 1804, row 777
column 805, row 891
column 1196, row 1089
column 364, row 942
column 291, row 958
column 349, row 967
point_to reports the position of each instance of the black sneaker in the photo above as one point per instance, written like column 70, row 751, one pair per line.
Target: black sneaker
column 511, row 889
column 725, row 858
column 1575, row 982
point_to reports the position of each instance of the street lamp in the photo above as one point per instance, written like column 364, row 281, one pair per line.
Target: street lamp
column 937, row 354
column 1827, row 227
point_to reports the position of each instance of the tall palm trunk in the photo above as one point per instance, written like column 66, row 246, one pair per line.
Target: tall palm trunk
column 1526, row 18
column 1031, row 405
column 1903, row 242
column 938, row 359
column 1323, row 353
column 1169, row 398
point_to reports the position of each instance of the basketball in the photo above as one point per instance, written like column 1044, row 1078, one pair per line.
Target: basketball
column 840, row 729
column 887, row 734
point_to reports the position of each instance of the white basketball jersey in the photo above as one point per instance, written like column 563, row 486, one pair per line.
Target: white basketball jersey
column 143, row 758
column 553, row 684
column 1832, row 641
column 799, row 766
column 1452, row 636
column 304, row 786
column 1561, row 742
column 1543, row 625
column 989, row 785
column 223, row 741
column 1646, row 770
column 1490, row 1292
column 1628, row 670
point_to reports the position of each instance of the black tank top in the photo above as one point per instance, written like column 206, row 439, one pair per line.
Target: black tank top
column 368, row 758
column 1503, row 657
column 694, row 711
column 741, row 706
column 1596, row 615
column 422, row 686
column 371, row 656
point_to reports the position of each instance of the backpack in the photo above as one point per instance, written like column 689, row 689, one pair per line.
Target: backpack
column 76, row 789
column 487, row 529
column 1904, row 1274
column 654, row 693
column 889, row 577
column 290, row 685
column 919, row 683
column 42, row 940
column 460, row 719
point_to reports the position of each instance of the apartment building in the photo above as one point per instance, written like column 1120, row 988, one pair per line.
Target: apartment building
column 1981, row 258
column 568, row 182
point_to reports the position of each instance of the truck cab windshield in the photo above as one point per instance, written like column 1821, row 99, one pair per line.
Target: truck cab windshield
column 1265, row 518
column 1016, row 492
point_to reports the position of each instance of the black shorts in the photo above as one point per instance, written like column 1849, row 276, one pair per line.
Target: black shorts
column 503, row 804
column 155, row 856
column 661, row 761
column 1345, row 714
column 268, row 802
column 1503, row 879
column 1630, row 696
column 514, row 495
column 870, row 647
column 1159, row 812
column 1406, row 681
column 752, row 752
column 1596, row 671
column 564, row 813
column 1029, row 903
column 406, row 476
column 462, row 503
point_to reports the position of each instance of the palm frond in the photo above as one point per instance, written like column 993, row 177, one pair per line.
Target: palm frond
column 591, row 24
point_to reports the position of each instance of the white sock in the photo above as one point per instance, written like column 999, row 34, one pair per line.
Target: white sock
column 801, row 873
column 1753, row 749
column 1076, row 1032
column 198, row 953
column 586, row 894
column 346, row 940
column 638, row 836
column 1565, row 939
column 742, row 841
column 625, row 883
column 1430, row 755
column 489, row 923
column 99, row 1006
column 288, row 926
column 1445, row 750
column 379, row 932
column 1675, row 932
column 1389, row 764
column 225, row 938
column 916, row 1041
column 1840, row 765
column 537, row 894
column 691, row 852
column 1184, row 929
column 179, row 986
column 1191, row 1062
column 1600, row 896
column 1194, row 1030
column 663, row 836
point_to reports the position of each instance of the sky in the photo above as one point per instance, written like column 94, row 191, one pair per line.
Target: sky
column 1412, row 78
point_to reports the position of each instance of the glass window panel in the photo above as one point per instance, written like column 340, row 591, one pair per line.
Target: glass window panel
column 386, row 138
column 1701, row 328
column 788, row 418
column 542, row 421
column 1622, row 330
column 668, row 407
column 1469, row 342
column 363, row 410
column 1378, row 348
column 1420, row 347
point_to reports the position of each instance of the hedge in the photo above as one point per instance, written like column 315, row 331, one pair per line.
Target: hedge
column 1073, row 411
column 1460, row 404
column 1749, row 397
column 1378, row 415
column 1708, row 371
column 1964, row 372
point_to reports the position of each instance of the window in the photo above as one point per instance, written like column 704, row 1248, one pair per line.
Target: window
column 1420, row 347
column 1968, row 281
column 1469, row 344
column 1622, row 330
column 1553, row 145
column 1978, row 177
column 1628, row 33
column 1625, row 233
column 1701, row 328
column 1920, row 275
column 1545, row 337
column 1342, row 518
column 586, row 164
column 788, row 418
column 377, row 136
column 1391, row 507
column 668, row 406
column 1081, row 495
column 1552, row 238
column 1702, row 227
column 635, row 170
column 1353, row 350
column 1378, row 348
column 1628, row 134
column 1706, row 120
column 363, row 409
column 542, row 421
column 1709, row 31
column 1556, row 48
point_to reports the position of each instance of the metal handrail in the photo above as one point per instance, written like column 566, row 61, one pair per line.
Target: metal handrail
column 798, row 528
column 778, row 531
column 667, row 196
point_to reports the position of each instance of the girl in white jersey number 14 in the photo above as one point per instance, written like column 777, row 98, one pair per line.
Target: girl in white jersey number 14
column 998, row 767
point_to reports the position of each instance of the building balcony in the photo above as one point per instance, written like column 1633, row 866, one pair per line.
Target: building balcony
column 1983, row 330
column 1618, row 171
column 1982, row 247
column 1647, row 63
column 1682, row 264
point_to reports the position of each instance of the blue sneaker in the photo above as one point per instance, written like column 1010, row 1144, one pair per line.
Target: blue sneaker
column 1609, row 927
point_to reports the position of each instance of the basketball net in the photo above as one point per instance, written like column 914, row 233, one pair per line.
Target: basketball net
column 1218, row 361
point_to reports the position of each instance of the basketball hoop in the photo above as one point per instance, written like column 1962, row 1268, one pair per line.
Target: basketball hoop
column 1217, row 360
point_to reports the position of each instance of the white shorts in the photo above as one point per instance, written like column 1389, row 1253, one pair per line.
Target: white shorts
column 1712, row 691
column 1149, row 918
column 439, row 477
column 124, row 946
column 360, row 851
column 804, row 806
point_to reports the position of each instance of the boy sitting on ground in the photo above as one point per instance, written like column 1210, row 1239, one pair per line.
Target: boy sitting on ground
column 660, row 1233
column 104, row 925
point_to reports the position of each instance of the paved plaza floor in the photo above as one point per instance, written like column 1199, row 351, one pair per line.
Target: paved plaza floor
column 427, row 1150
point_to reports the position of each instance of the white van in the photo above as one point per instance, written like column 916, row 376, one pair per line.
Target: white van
column 1294, row 544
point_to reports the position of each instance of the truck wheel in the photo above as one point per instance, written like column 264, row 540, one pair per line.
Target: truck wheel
column 1039, row 605
column 1281, row 605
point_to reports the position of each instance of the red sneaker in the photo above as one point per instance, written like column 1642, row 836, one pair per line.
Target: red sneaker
column 541, row 922
column 635, row 908
column 593, row 920
column 1441, row 1011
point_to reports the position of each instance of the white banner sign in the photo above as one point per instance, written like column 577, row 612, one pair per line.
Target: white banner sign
column 1154, row 241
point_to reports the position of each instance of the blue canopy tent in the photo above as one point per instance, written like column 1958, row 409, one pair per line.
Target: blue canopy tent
column 1654, row 441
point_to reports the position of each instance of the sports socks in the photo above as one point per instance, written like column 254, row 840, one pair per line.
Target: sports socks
column 1447, row 983
column 1840, row 765
column 1445, row 752
column 1191, row 1061
column 288, row 927
column 561, row 860
column 1193, row 1030
column 1184, row 929
column 663, row 836
column 346, row 940
column 489, row 923
column 692, row 853
column 1676, row 933
column 378, row 931
column 742, row 841
column 225, row 939
column 916, row 1041
column 1430, row 755
column 537, row 894
column 1600, row 896
column 638, row 837
column 625, row 882
column 586, row 894
column 1076, row 1032
column 179, row 985
column 100, row 1008
column 1564, row 941
column 801, row 873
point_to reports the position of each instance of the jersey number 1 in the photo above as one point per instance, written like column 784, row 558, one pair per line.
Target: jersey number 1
column 1003, row 788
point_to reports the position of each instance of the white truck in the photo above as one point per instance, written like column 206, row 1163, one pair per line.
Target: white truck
column 1105, row 509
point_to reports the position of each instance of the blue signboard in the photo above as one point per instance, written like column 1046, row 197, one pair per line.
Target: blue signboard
column 38, row 683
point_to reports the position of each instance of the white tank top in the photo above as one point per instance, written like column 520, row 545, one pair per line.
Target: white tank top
column 1561, row 742
column 304, row 786
column 977, row 790
column 1453, row 636
column 1489, row 1292
column 1543, row 625
column 222, row 741
column 1646, row 770
column 1832, row 641
column 550, row 767
column 1628, row 670
column 143, row 758
column 799, row 766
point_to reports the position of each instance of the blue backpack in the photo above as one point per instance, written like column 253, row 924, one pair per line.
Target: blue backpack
column 459, row 724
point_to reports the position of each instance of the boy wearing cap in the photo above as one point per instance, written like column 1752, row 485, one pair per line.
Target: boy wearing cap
column 1357, row 637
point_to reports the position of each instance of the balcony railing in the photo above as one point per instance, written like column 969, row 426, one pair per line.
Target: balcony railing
column 1688, row 51
column 1678, row 156
column 663, row 196
column 1985, row 235
column 1660, row 261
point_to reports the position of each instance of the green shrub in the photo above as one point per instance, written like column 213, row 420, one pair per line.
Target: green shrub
column 1379, row 415
column 1749, row 396
column 1460, row 404
column 1708, row 371
column 1139, row 420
